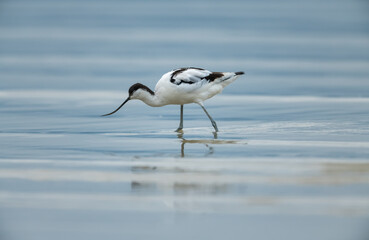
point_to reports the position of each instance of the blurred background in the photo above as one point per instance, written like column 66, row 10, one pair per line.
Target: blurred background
column 285, row 47
column 291, row 160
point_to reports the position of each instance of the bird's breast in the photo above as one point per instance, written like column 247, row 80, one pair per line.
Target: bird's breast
column 182, row 95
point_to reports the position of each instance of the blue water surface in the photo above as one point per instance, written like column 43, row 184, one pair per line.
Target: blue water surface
column 291, row 160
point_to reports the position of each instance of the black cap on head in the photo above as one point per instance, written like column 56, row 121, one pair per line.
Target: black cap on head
column 137, row 86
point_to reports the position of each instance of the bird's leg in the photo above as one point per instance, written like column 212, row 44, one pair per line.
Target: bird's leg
column 211, row 119
column 180, row 127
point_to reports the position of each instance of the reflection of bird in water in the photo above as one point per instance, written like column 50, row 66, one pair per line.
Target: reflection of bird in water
column 184, row 141
column 177, row 185
column 207, row 143
column 183, row 86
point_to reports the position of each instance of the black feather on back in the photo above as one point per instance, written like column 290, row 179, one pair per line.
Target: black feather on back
column 211, row 77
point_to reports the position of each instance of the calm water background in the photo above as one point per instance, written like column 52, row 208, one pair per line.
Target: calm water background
column 291, row 160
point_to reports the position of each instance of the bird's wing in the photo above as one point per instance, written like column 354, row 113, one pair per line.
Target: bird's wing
column 190, row 76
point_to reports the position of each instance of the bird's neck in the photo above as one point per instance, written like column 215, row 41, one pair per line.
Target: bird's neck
column 150, row 99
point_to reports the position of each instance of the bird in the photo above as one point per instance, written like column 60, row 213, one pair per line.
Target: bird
column 182, row 86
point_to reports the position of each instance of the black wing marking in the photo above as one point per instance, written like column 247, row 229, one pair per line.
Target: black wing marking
column 180, row 81
column 214, row 75
column 178, row 76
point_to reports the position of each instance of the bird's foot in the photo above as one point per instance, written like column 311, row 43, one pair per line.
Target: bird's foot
column 179, row 130
column 215, row 134
column 179, row 133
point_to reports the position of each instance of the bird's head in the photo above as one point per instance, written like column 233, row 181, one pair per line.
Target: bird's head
column 136, row 91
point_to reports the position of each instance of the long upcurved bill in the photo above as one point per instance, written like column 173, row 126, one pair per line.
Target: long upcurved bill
column 116, row 110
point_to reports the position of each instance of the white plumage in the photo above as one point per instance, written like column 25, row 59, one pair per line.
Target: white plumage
column 182, row 86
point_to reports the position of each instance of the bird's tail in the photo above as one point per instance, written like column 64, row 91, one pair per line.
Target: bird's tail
column 229, row 77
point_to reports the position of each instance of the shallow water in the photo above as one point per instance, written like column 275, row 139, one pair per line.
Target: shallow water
column 291, row 160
